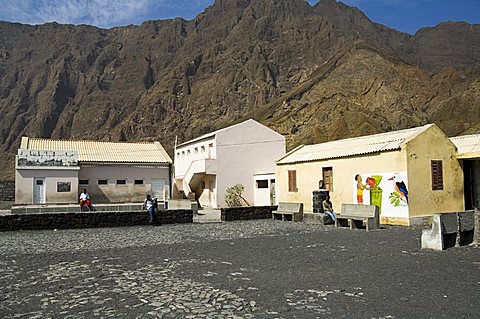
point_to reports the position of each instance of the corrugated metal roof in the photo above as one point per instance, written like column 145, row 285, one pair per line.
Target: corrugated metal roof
column 353, row 146
column 467, row 144
column 103, row 152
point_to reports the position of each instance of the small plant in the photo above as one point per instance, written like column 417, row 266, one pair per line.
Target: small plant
column 233, row 196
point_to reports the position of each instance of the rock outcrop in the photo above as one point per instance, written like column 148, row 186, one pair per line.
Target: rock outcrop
column 314, row 73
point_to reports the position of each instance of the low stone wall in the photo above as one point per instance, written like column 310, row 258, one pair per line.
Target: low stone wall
column 7, row 191
column 91, row 219
column 246, row 213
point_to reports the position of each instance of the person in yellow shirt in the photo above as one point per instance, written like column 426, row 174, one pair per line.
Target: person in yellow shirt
column 360, row 188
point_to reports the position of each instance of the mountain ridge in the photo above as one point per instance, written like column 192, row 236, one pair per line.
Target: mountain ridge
column 287, row 64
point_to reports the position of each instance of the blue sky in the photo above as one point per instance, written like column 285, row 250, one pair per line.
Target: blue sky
column 403, row 15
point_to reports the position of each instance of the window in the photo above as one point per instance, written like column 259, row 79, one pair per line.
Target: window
column 183, row 153
column 64, row 187
column 202, row 149
column 83, row 182
column 103, row 182
column 292, row 181
column 121, row 181
column 262, row 183
column 138, row 182
column 327, row 174
column 178, row 154
column 196, row 150
column 188, row 152
column 437, row 176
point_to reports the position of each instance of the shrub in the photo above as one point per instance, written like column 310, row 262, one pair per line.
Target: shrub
column 233, row 196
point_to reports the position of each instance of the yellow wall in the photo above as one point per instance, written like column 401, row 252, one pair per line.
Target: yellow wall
column 414, row 158
column 430, row 145
column 344, row 171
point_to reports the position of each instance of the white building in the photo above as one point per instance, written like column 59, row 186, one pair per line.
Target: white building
column 244, row 153
column 56, row 171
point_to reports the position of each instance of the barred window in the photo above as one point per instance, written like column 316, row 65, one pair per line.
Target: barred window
column 437, row 175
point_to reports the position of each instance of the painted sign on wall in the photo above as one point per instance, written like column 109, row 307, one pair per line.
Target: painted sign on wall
column 389, row 191
column 26, row 158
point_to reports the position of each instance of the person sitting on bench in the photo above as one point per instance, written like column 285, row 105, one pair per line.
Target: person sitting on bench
column 328, row 208
column 85, row 200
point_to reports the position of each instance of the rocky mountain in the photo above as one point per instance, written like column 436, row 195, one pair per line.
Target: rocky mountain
column 313, row 73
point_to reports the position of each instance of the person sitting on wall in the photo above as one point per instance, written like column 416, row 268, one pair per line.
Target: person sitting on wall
column 149, row 205
column 328, row 208
column 85, row 200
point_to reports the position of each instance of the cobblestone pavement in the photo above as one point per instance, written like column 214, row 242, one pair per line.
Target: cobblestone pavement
column 252, row 269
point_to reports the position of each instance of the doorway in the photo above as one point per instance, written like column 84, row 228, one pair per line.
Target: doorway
column 273, row 194
column 211, row 194
column 39, row 190
column 471, row 176
column 158, row 185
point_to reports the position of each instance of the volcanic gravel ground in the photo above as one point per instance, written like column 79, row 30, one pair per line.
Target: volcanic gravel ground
column 251, row 269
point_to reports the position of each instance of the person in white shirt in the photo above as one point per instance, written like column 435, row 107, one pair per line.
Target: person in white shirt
column 149, row 205
column 85, row 200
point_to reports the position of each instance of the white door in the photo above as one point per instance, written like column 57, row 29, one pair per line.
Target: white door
column 211, row 193
column 39, row 191
column 157, row 188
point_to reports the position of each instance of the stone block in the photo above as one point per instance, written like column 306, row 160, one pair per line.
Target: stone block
column 448, row 223
column 476, row 234
column 432, row 238
column 466, row 221
column 449, row 230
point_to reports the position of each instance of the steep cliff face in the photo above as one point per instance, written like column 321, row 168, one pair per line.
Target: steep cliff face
column 314, row 73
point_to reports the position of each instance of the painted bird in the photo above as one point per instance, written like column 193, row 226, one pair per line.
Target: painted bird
column 399, row 185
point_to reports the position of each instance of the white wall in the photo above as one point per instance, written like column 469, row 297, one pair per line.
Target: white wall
column 242, row 151
column 121, row 193
column 24, row 179
column 185, row 155
column 239, row 152
column 262, row 196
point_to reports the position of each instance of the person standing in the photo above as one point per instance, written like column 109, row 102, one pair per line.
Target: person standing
column 360, row 188
column 149, row 205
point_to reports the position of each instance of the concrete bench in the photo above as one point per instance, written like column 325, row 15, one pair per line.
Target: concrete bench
column 183, row 204
column 289, row 212
column 356, row 216
column 449, row 230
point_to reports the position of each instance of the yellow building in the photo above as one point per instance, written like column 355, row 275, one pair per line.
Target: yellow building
column 410, row 174
column 468, row 153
